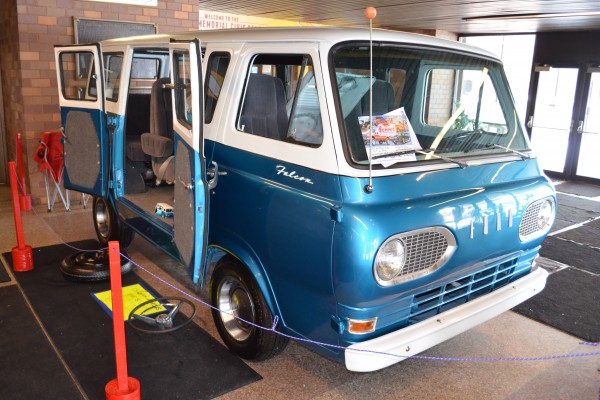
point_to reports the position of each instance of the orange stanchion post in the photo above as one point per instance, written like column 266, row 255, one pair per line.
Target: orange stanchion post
column 123, row 387
column 22, row 254
column 24, row 198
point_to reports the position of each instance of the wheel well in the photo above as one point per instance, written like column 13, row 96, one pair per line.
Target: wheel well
column 216, row 255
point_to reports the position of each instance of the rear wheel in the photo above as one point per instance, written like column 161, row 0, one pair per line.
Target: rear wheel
column 243, row 308
column 107, row 225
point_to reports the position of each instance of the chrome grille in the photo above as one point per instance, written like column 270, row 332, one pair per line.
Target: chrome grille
column 423, row 250
column 529, row 228
column 528, row 224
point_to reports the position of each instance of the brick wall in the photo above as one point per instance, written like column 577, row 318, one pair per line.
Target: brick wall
column 11, row 76
column 32, row 28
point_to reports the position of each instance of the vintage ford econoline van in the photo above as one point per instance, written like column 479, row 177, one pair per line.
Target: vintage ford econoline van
column 379, row 204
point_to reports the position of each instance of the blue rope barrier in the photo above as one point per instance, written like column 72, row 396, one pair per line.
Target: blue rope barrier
column 333, row 346
column 329, row 345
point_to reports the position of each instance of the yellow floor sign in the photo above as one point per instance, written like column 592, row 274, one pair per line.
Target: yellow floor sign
column 133, row 296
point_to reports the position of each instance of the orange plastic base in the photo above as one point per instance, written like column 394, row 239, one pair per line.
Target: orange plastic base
column 132, row 392
column 25, row 203
column 22, row 258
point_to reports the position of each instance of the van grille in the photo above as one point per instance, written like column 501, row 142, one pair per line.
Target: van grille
column 423, row 250
column 529, row 224
column 443, row 298
column 529, row 228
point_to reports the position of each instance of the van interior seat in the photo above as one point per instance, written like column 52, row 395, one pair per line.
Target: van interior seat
column 136, row 123
column 264, row 111
column 383, row 98
column 158, row 143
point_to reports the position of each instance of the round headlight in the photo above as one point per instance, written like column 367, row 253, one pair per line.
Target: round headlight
column 390, row 260
column 545, row 215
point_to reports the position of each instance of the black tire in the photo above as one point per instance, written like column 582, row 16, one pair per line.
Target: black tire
column 233, row 289
column 90, row 266
column 107, row 226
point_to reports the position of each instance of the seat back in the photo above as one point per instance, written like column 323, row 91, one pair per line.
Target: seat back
column 158, row 143
column 383, row 98
column 264, row 111
column 161, row 110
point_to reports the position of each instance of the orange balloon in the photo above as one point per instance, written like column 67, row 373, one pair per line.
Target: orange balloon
column 370, row 12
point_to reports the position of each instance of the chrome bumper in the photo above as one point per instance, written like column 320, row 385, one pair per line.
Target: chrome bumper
column 366, row 356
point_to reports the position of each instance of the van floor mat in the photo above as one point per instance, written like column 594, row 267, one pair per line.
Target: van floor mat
column 134, row 177
column 570, row 302
column 30, row 368
column 186, row 364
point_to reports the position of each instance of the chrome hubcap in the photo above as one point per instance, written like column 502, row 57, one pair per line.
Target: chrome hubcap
column 237, row 308
column 102, row 219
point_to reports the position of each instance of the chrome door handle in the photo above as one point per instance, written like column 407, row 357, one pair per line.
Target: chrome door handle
column 214, row 174
column 530, row 122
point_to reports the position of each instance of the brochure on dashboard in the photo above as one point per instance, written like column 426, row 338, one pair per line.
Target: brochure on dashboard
column 393, row 138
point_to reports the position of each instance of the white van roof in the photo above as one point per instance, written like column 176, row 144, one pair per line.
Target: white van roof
column 330, row 35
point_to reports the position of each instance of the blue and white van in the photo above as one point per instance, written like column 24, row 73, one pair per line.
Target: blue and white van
column 380, row 198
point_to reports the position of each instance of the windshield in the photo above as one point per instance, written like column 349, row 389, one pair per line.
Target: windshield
column 427, row 105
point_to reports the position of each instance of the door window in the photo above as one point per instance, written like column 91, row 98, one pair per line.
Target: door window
column 281, row 100
column 113, row 64
column 75, row 85
column 183, row 89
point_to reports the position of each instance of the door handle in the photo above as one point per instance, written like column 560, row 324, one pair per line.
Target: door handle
column 580, row 127
column 530, row 122
column 214, row 174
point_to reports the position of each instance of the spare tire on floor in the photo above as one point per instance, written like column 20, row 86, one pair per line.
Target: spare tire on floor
column 91, row 266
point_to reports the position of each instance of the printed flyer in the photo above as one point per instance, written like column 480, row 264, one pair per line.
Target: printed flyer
column 394, row 139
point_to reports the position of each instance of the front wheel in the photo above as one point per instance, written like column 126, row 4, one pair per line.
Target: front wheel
column 108, row 226
column 242, row 309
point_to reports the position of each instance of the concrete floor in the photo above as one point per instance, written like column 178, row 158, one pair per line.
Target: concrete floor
column 301, row 374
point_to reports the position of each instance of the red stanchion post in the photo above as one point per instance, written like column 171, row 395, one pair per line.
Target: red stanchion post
column 24, row 198
column 22, row 254
column 123, row 387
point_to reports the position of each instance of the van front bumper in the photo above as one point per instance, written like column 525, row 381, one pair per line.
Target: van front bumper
column 367, row 356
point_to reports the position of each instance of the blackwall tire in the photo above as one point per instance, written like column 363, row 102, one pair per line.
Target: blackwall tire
column 234, row 290
column 107, row 225
column 90, row 266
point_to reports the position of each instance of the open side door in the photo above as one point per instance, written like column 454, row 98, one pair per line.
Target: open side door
column 81, row 97
column 191, row 189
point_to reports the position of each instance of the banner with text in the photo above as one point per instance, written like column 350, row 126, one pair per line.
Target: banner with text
column 217, row 20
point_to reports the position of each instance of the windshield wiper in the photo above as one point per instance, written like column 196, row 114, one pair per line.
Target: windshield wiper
column 425, row 152
column 397, row 153
column 431, row 153
column 498, row 146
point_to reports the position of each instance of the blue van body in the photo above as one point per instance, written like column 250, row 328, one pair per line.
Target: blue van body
column 353, row 257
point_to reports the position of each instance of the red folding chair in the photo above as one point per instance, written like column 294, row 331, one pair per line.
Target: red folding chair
column 49, row 155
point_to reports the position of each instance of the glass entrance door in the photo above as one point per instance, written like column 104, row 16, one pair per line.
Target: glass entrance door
column 588, row 163
column 565, row 124
column 552, row 116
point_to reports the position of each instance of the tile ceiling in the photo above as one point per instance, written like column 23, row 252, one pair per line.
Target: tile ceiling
column 447, row 15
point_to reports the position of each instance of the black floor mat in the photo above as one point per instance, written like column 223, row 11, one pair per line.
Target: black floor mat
column 3, row 274
column 186, row 364
column 570, row 302
column 30, row 368
column 570, row 253
column 588, row 234
column 579, row 188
